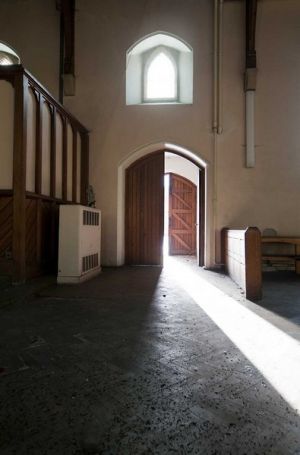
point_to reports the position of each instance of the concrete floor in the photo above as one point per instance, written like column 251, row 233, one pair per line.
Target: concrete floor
column 282, row 295
column 130, row 363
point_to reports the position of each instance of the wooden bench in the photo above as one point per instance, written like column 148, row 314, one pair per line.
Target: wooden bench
column 241, row 255
column 278, row 240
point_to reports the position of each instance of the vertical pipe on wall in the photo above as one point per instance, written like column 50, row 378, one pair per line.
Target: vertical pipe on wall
column 215, row 124
column 250, row 128
column 250, row 81
column 217, row 71
column 61, row 59
column 220, row 55
column 215, row 68
column 217, row 110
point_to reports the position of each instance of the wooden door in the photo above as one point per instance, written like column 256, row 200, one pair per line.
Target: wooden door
column 182, row 216
column 144, row 218
column 201, row 215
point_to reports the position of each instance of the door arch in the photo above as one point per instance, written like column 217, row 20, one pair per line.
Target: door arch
column 205, row 182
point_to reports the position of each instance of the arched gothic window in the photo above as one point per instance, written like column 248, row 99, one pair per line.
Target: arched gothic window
column 159, row 70
column 160, row 78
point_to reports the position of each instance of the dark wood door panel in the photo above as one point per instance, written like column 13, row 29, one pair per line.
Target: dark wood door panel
column 6, row 217
column 144, row 219
column 41, row 236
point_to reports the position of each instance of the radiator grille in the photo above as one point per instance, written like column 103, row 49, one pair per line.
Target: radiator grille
column 90, row 218
column 90, row 262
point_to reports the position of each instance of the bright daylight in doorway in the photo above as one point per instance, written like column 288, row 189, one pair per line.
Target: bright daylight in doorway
column 181, row 207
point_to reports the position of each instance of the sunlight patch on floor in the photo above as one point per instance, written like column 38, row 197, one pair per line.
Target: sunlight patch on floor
column 274, row 353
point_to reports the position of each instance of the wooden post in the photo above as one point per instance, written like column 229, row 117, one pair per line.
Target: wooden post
column 84, row 167
column 253, row 263
column 74, row 170
column 39, row 232
column 67, row 8
column 38, row 174
column 251, row 13
column 38, row 145
column 201, row 217
column 53, row 153
column 65, row 161
column 19, row 177
column 53, row 236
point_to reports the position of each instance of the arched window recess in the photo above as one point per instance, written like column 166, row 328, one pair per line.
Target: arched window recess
column 7, row 55
column 159, row 70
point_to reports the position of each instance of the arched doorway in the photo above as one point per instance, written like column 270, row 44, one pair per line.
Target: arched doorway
column 144, row 210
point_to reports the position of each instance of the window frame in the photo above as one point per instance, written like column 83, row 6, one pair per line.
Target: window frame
column 148, row 58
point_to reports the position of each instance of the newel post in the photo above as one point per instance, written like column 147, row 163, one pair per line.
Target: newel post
column 84, row 168
column 19, row 177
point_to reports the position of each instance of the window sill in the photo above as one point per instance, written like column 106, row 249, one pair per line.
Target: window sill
column 161, row 103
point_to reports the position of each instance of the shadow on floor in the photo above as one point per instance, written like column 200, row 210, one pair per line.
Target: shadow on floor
column 281, row 295
column 128, row 363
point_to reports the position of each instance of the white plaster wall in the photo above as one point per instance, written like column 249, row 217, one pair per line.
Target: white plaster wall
column 267, row 195
column 6, row 135
column 108, row 29
column 278, row 116
column 31, row 27
column 181, row 166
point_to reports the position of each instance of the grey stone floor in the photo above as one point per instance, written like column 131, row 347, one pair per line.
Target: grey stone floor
column 128, row 364
column 282, row 294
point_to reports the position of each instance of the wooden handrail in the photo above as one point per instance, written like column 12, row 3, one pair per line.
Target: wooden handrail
column 8, row 73
column 31, row 209
column 14, row 73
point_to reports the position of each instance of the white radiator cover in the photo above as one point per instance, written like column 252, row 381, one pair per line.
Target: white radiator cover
column 79, row 243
